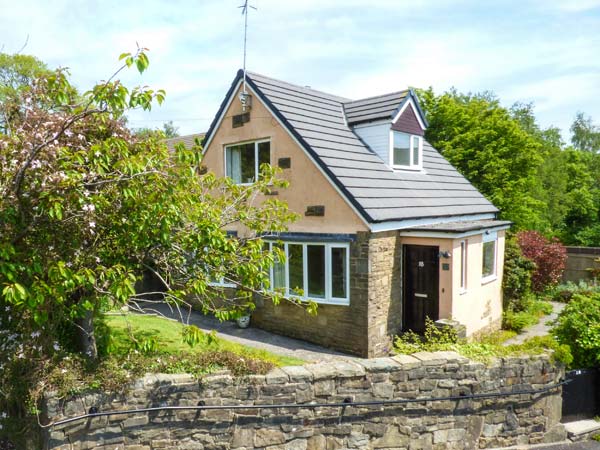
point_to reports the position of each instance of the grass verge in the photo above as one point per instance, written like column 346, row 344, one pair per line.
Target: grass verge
column 168, row 334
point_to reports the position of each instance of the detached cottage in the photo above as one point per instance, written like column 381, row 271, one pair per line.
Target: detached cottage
column 390, row 232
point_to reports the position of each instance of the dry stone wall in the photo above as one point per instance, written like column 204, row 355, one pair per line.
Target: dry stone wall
column 464, row 423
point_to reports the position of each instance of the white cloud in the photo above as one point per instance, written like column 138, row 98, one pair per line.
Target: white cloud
column 347, row 47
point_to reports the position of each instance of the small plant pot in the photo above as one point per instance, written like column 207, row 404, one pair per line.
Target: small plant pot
column 243, row 322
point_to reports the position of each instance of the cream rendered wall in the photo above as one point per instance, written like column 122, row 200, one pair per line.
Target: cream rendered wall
column 480, row 305
column 308, row 186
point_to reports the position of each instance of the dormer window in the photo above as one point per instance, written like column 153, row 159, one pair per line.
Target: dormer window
column 242, row 161
column 406, row 151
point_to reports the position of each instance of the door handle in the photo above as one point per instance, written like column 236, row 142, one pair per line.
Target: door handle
column 421, row 295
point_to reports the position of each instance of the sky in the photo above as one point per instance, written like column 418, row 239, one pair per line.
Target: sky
column 541, row 51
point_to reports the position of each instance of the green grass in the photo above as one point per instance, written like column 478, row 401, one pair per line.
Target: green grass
column 168, row 335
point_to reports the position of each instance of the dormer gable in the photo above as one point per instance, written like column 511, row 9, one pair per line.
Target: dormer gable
column 392, row 125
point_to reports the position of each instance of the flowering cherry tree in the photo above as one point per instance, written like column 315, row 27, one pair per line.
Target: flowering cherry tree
column 86, row 207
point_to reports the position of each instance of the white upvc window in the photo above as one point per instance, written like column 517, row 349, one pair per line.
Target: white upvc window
column 463, row 265
column 313, row 271
column 489, row 256
column 243, row 160
column 220, row 282
column 406, row 151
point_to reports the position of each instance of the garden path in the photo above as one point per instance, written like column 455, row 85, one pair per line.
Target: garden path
column 254, row 337
column 542, row 328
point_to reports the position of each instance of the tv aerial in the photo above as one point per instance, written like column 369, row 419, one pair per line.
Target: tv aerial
column 245, row 98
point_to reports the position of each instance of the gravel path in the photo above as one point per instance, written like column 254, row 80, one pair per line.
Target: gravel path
column 542, row 328
column 254, row 337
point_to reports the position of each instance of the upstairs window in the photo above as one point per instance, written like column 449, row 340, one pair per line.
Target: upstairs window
column 407, row 151
column 242, row 161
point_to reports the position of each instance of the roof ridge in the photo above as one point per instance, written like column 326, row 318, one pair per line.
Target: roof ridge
column 378, row 96
column 174, row 138
column 298, row 86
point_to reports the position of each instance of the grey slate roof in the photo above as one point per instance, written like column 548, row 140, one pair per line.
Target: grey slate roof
column 374, row 108
column 187, row 140
column 380, row 194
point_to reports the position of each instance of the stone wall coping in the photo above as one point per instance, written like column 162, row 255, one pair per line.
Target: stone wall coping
column 336, row 369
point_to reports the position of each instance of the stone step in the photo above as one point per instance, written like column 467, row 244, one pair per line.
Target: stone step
column 582, row 429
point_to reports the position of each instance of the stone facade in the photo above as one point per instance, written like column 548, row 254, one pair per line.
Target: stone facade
column 339, row 327
column 469, row 423
column 385, row 291
column 365, row 327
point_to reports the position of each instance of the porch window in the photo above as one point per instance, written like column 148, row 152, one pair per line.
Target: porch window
column 488, row 270
column 407, row 151
column 463, row 266
column 243, row 161
column 313, row 271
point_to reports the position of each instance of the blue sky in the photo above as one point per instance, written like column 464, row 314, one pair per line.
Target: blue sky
column 541, row 51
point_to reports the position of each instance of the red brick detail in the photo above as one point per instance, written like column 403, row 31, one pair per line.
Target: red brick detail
column 408, row 123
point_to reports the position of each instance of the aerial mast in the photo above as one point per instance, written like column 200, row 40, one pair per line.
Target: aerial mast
column 245, row 98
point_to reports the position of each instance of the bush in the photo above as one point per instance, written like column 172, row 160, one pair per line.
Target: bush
column 533, row 311
column 565, row 292
column 517, row 321
column 549, row 256
column 518, row 270
column 578, row 326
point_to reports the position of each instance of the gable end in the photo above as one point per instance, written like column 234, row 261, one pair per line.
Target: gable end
column 408, row 122
column 313, row 155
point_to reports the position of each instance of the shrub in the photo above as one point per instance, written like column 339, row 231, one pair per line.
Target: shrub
column 578, row 325
column 517, row 321
column 549, row 256
column 518, row 270
column 565, row 292
column 533, row 311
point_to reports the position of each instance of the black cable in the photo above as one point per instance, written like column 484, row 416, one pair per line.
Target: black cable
column 347, row 402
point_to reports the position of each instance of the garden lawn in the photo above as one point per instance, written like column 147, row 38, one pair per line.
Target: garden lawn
column 168, row 335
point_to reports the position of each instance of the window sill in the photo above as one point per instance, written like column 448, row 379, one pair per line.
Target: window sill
column 489, row 279
column 318, row 301
column 408, row 169
column 222, row 285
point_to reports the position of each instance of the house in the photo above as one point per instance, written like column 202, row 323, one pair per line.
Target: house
column 390, row 233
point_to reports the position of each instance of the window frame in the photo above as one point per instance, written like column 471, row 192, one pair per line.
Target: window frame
column 222, row 284
column 328, row 299
column 256, row 161
column 464, row 246
column 493, row 275
column 411, row 147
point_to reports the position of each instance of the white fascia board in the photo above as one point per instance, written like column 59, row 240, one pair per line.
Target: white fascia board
column 222, row 116
column 417, row 115
column 411, row 223
column 317, row 165
column 455, row 235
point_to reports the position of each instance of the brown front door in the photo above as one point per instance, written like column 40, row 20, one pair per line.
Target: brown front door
column 421, row 284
